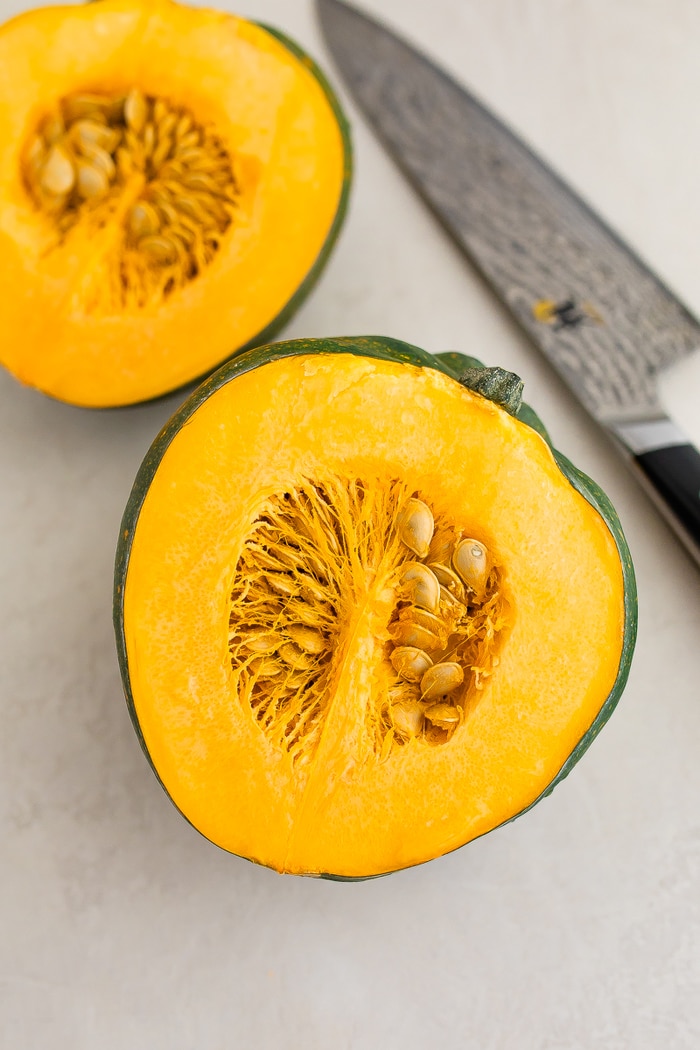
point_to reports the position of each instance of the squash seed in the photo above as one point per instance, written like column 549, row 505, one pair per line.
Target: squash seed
column 162, row 151
column 265, row 667
column 405, row 633
column 185, row 235
column 296, row 657
column 143, row 219
column 415, row 526
column 441, row 679
column 91, row 180
column 307, row 638
column 148, row 139
column 75, row 107
column 263, row 643
column 135, row 110
column 166, row 124
column 470, row 560
column 182, row 247
column 422, row 618
column 195, row 208
column 282, row 585
column 443, row 716
column 313, row 591
column 420, row 584
column 189, row 139
column 160, row 250
column 197, row 159
column 410, row 662
column 58, row 173
column 407, row 718
column 92, row 133
column 311, row 615
column 199, row 180
column 448, row 578
column 184, row 124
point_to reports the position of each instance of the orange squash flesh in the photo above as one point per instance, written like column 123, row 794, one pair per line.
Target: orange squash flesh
column 289, row 156
column 350, row 810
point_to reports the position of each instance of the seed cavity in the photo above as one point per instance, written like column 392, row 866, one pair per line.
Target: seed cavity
column 332, row 561
column 144, row 175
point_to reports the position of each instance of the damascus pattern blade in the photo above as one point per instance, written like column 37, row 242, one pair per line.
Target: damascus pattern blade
column 600, row 315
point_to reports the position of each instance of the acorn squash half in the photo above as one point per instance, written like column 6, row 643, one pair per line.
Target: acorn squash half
column 364, row 612
column 171, row 182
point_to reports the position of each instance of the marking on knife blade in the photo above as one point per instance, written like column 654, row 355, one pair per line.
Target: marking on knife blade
column 564, row 314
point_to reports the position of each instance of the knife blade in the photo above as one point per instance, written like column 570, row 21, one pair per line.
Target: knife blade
column 599, row 314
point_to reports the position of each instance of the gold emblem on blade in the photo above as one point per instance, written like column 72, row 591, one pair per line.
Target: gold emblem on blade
column 567, row 313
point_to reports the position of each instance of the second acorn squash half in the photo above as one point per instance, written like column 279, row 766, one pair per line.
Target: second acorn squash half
column 365, row 613
column 171, row 182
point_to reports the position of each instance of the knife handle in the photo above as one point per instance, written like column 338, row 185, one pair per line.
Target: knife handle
column 669, row 467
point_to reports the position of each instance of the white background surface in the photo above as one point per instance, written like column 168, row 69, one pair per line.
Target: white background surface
column 576, row 927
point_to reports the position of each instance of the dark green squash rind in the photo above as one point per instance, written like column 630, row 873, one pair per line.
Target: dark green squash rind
column 382, row 348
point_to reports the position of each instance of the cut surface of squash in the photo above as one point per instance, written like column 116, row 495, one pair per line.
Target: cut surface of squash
column 171, row 182
column 363, row 614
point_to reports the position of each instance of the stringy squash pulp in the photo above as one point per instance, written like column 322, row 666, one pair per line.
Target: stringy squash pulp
column 363, row 614
column 171, row 182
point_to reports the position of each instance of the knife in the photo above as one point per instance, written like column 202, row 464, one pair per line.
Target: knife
column 599, row 314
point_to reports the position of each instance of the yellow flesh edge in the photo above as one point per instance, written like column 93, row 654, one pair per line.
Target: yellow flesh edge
column 348, row 814
column 277, row 124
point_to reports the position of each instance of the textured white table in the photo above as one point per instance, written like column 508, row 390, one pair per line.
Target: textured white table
column 577, row 927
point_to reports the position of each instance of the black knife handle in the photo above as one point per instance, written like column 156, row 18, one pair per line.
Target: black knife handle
column 673, row 473
column 668, row 464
